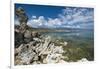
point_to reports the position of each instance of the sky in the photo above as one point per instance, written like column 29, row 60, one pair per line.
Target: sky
column 46, row 16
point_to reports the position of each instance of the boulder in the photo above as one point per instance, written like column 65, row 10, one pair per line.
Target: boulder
column 27, row 36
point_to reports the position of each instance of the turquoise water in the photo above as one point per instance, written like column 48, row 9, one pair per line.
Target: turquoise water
column 83, row 34
column 83, row 39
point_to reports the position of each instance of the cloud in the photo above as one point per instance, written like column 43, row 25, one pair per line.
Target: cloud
column 38, row 22
column 54, row 22
column 69, row 18
column 41, row 21
column 33, row 17
column 76, row 16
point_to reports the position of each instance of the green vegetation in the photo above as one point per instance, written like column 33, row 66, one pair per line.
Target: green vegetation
column 78, row 50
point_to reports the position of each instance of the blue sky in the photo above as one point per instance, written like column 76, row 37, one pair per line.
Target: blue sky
column 41, row 10
column 46, row 16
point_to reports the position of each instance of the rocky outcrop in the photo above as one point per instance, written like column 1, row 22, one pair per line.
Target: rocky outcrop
column 31, row 47
column 23, row 18
column 38, row 51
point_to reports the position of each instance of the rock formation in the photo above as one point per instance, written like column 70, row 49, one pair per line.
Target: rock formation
column 23, row 18
column 38, row 51
column 33, row 48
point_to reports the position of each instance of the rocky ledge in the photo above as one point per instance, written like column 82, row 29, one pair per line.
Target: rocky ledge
column 38, row 50
column 33, row 48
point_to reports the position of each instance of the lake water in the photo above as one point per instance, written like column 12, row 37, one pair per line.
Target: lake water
column 82, row 36
column 83, row 39
column 86, row 34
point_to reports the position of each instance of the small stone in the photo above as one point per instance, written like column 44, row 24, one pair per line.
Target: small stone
column 83, row 60
column 35, row 34
column 37, row 39
column 65, row 43
column 27, row 34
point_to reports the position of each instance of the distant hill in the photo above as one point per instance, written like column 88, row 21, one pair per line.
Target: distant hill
column 56, row 29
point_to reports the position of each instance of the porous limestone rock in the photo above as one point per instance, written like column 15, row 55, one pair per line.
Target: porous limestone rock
column 37, row 52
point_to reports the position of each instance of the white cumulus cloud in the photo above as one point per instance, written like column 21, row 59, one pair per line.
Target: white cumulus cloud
column 70, row 17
